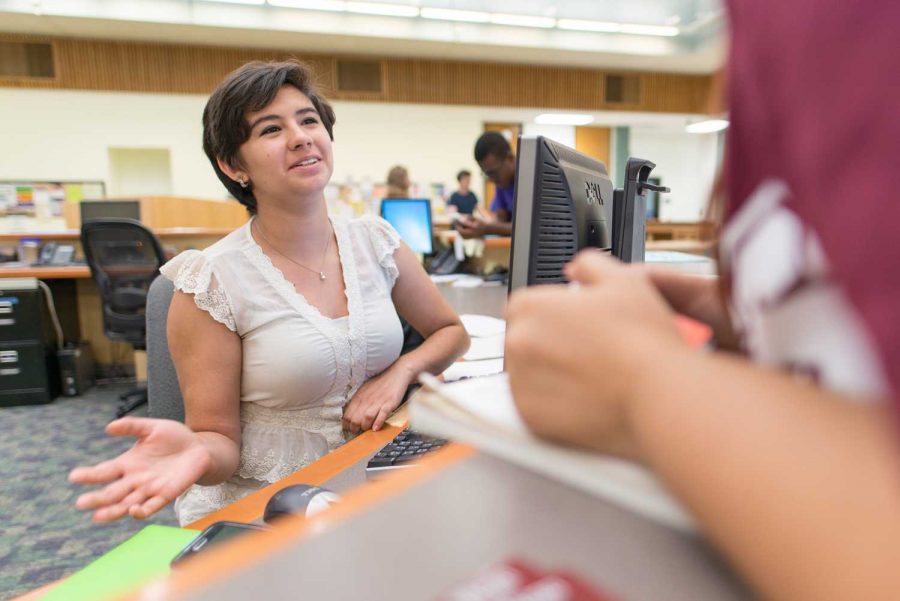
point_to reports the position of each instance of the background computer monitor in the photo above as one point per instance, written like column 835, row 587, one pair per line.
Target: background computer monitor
column 564, row 203
column 104, row 209
column 411, row 217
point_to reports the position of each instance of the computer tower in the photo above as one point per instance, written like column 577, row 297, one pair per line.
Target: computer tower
column 29, row 373
column 76, row 369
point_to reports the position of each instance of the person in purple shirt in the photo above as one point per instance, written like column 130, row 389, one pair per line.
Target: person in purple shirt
column 498, row 163
column 786, row 449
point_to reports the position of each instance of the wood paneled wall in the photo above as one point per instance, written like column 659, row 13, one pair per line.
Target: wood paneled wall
column 184, row 69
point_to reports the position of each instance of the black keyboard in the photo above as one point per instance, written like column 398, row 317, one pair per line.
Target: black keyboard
column 406, row 447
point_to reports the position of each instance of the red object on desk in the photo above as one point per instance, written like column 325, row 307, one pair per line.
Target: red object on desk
column 695, row 333
column 515, row 580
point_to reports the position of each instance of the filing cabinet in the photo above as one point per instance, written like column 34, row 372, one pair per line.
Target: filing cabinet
column 28, row 367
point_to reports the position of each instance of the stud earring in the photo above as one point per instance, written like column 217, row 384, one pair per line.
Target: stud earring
column 243, row 183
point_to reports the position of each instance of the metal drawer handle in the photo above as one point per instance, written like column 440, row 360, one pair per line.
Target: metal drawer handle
column 10, row 371
column 6, row 307
column 9, row 356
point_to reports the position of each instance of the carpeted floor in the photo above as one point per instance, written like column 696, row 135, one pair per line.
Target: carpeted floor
column 43, row 537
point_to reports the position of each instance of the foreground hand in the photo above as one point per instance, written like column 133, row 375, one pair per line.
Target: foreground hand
column 376, row 400
column 164, row 462
column 575, row 356
column 471, row 227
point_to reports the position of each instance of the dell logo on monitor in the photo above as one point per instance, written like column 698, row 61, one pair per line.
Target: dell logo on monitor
column 592, row 193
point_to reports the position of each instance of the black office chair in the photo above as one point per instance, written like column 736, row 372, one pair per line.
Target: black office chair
column 124, row 257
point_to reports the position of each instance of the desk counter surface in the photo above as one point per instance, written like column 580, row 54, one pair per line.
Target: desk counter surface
column 416, row 534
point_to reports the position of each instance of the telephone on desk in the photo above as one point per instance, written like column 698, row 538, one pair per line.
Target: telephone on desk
column 445, row 263
column 56, row 254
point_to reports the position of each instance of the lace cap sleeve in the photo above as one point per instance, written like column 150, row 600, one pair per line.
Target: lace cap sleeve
column 192, row 273
column 385, row 240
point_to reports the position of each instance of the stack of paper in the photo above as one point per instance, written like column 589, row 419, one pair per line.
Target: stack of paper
column 481, row 412
column 485, row 354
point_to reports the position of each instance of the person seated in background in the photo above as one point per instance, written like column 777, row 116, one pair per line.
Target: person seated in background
column 463, row 201
column 285, row 334
column 397, row 182
column 498, row 163
column 789, row 458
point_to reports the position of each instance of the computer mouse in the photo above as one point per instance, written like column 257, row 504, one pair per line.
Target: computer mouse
column 298, row 499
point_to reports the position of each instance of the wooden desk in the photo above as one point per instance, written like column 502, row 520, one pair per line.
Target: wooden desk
column 69, row 272
column 88, row 326
column 350, row 456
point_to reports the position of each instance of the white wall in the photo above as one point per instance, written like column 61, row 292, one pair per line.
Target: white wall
column 432, row 142
column 140, row 172
column 66, row 135
column 564, row 134
column 685, row 162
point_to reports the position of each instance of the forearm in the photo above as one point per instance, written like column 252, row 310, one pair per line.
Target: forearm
column 223, row 457
column 436, row 353
column 498, row 228
column 799, row 487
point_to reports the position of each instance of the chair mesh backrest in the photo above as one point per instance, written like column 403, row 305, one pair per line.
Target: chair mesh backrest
column 163, row 392
column 124, row 257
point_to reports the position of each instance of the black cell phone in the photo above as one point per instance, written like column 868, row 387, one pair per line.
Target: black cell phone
column 213, row 535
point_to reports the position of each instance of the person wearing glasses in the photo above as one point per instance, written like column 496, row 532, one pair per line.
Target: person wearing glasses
column 498, row 164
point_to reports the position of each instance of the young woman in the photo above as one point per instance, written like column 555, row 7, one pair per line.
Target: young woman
column 789, row 456
column 285, row 334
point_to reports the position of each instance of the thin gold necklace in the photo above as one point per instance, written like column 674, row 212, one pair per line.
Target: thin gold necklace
column 320, row 272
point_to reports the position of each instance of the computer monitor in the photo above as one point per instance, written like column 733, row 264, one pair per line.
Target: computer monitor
column 564, row 202
column 104, row 209
column 411, row 217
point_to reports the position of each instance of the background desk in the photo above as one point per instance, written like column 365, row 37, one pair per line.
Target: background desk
column 76, row 296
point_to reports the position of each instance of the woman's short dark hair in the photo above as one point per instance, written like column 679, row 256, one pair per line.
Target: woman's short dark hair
column 248, row 89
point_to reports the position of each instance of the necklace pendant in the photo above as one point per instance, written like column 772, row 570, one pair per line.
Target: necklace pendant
column 322, row 275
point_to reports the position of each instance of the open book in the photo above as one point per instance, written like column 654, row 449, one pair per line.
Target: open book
column 481, row 412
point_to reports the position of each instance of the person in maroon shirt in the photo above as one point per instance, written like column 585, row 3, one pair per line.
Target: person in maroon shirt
column 788, row 453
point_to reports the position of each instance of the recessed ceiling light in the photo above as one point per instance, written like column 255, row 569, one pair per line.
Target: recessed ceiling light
column 255, row 2
column 332, row 5
column 387, row 10
column 563, row 119
column 523, row 20
column 661, row 30
column 449, row 14
column 707, row 126
column 586, row 25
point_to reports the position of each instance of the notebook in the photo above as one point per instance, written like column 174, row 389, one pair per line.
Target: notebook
column 138, row 560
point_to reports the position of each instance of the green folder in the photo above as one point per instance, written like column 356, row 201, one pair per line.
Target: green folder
column 141, row 558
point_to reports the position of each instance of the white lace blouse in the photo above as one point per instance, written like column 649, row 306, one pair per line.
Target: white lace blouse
column 299, row 367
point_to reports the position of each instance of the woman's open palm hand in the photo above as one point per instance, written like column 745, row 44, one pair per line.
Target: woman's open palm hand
column 165, row 461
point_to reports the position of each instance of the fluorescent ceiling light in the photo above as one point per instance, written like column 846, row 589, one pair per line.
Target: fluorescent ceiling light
column 563, row 119
column 584, row 25
column 333, row 5
column 708, row 126
column 256, row 2
column 661, row 30
column 387, row 10
column 449, row 14
column 523, row 20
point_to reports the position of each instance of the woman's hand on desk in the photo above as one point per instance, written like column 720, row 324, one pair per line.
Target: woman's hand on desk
column 376, row 400
column 576, row 357
column 166, row 460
